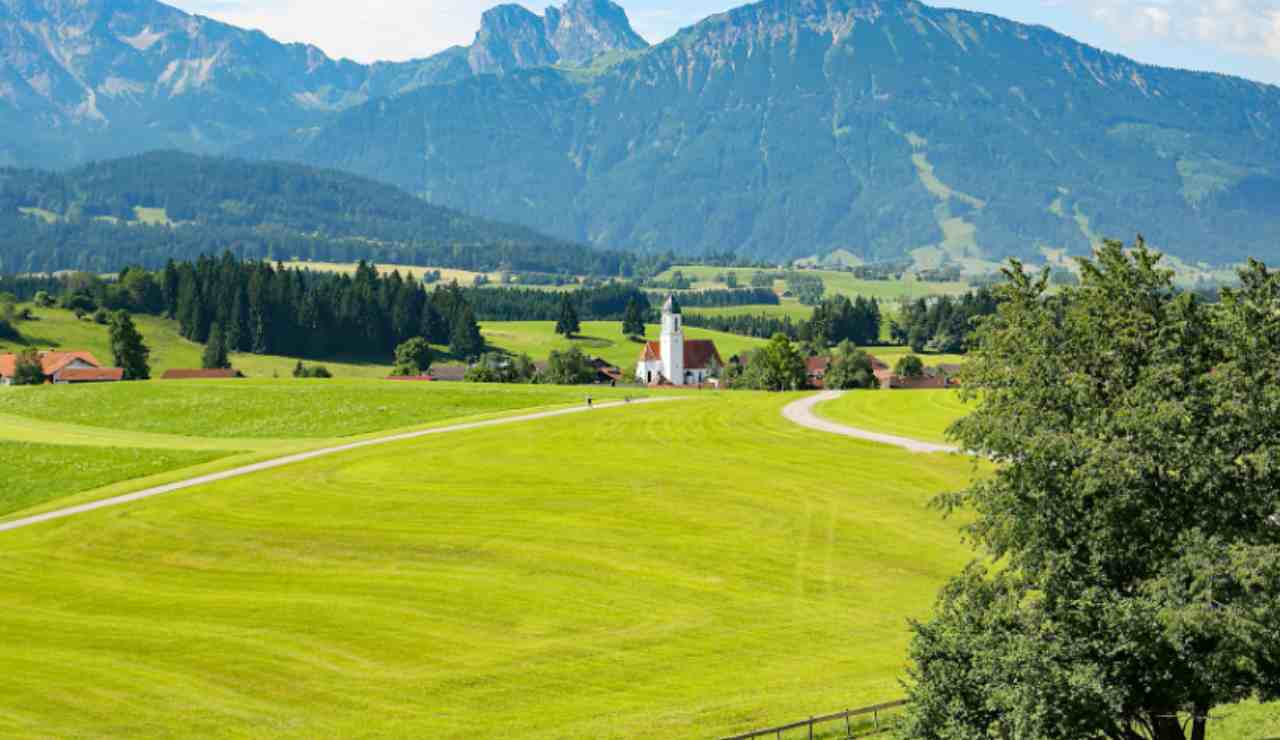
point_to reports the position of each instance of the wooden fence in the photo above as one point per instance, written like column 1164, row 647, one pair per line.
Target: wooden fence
column 882, row 717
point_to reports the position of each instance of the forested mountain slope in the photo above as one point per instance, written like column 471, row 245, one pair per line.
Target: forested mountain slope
column 793, row 127
column 93, row 79
column 146, row 209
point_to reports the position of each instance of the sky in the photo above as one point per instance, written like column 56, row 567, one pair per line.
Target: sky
column 1239, row 37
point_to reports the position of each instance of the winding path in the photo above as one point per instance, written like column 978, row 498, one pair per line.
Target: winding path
column 301, row 457
column 801, row 412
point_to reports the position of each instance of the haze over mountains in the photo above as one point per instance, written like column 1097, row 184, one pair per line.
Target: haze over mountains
column 782, row 129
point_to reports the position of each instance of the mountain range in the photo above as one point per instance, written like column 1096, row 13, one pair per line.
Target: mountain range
column 786, row 128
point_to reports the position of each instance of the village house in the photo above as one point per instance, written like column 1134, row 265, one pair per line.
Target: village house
column 674, row 360
column 64, row 368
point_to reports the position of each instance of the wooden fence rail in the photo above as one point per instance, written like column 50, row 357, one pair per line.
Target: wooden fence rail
column 812, row 722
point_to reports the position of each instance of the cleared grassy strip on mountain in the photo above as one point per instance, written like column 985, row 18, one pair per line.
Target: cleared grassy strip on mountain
column 36, row 473
column 644, row 571
column 277, row 409
column 923, row 415
column 597, row 339
column 56, row 328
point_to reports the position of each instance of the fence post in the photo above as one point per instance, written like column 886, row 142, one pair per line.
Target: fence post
column 848, row 723
column 875, row 717
column 810, row 727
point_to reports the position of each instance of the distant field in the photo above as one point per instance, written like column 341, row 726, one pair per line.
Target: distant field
column 599, row 339
column 60, row 329
column 923, row 415
column 464, row 278
column 267, row 409
column 549, row 579
column 837, row 282
column 792, row 309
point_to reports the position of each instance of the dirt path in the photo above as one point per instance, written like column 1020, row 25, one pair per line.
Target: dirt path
column 300, row 457
column 801, row 412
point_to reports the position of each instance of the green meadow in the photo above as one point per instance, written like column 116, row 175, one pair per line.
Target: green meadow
column 923, row 415
column 837, row 282
column 674, row 570
column 598, row 339
column 685, row 569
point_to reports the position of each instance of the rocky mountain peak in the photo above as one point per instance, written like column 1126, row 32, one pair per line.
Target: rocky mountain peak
column 512, row 37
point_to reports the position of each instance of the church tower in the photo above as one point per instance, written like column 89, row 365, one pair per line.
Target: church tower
column 672, row 342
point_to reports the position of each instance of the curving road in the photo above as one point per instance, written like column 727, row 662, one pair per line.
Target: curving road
column 300, row 457
column 801, row 412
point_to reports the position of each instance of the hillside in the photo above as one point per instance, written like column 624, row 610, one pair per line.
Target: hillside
column 793, row 127
column 153, row 207
column 93, row 79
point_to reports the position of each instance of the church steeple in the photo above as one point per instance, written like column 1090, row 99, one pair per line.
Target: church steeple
column 672, row 341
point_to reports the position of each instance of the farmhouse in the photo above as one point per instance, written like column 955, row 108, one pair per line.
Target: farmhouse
column 675, row 360
column 63, row 368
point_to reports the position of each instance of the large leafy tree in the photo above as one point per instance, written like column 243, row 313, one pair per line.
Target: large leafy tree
column 850, row 368
column 28, row 370
column 128, row 351
column 777, row 366
column 413, row 357
column 1135, row 432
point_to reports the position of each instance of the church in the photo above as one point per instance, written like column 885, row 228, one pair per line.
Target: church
column 675, row 360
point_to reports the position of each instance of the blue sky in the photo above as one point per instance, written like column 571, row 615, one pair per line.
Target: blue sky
column 1240, row 37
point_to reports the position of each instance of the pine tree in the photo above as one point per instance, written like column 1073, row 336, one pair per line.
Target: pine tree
column 568, row 324
column 465, row 341
column 633, row 320
column 127, row 348
column 215, row 351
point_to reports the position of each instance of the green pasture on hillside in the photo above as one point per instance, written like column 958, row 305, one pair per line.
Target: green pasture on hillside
column 923, row 415
column 794, row 310
column 837, row 282
column 675, row 570
column 597, row 339
column 59, row 329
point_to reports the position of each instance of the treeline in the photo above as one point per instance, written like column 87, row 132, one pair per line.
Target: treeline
column 941, row 324
column 603, row 303
column 834, row 321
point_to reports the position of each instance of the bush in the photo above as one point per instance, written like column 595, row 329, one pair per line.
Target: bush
column 101, row 316
column 315, row 371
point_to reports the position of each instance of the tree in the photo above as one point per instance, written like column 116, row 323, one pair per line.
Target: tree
column 28, row 370
column 909, row 366
column 465, row 340
column 42, row 299
column 128, row 351
column 569, row 367
column 215, row 355
column 568, row 324
column 633, row 320
column 777, row 366
column 1132, row 509
column 413, row 357
column 850, row 368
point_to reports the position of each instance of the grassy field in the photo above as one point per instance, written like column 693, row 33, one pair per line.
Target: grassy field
column 598, row 339
column 681, row 579
column 59, row 329
column 34, row 474
column 923, row 415
column 787, row 309
column 837, row 282
column 269, row 409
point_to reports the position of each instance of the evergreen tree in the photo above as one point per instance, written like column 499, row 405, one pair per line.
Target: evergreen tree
column 465, row 340
column 567, row 325
column 128, row 351
column 215, row 351
column 633, row 321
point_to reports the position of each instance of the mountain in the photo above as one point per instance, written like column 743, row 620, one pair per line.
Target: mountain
column 789, row 128
column 147, row 209
column 92, row 79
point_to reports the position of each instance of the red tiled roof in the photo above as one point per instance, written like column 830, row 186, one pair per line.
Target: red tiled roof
column 92, row 375
column 50, row 362
column 697, row 353
column 817, row 365
column 877, row 363
column 201, row 374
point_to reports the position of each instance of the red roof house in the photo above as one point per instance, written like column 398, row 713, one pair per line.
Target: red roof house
column 91, row 375
column 53, row 364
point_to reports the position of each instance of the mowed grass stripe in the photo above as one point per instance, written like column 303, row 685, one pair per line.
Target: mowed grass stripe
column 924, row 415
column 675, row 570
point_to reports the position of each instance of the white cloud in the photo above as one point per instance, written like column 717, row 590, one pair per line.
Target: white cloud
column 366, row 31
column 1238, row 26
